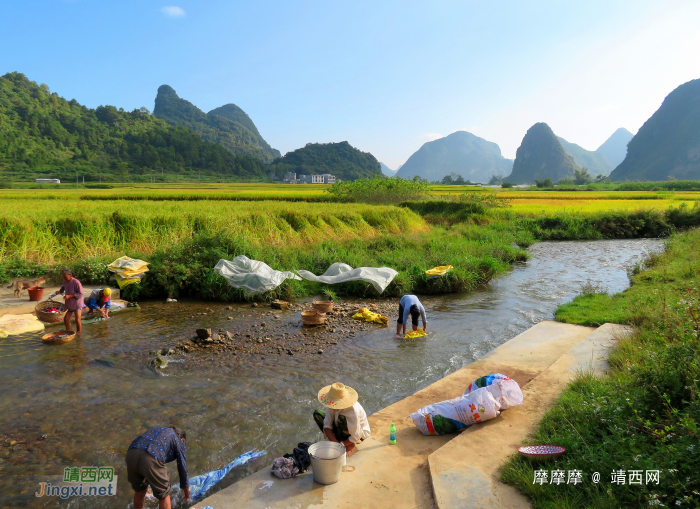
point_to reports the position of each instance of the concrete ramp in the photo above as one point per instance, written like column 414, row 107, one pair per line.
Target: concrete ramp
column 422, row 471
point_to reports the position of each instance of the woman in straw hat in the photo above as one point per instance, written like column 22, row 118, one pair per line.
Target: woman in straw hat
column 344, row 420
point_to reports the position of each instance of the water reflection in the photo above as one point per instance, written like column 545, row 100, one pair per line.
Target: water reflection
column 91, row 397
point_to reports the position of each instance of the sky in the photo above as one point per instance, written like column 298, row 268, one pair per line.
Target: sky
column 386, row 76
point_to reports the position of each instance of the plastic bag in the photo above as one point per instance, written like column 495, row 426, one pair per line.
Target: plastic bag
column 506, row 390
column 455, row 414
column 379, row 277
column 252, row 275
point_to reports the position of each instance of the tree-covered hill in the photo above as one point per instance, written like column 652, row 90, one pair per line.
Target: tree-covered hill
column 668, row 144
column 44, row 135
column 541, row 156
column 339, row 159
column 228, row 125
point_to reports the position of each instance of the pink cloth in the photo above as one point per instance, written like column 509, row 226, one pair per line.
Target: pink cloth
column 75, row 288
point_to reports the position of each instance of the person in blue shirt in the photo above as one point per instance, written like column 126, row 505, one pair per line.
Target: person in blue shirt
column 145, row 464
column 410, row 305
column 100, row 300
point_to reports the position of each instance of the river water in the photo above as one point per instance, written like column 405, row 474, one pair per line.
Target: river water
column 81, row 404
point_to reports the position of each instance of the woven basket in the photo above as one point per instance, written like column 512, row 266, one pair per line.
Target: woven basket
column 323, row 306
column 58, row 337
column 50, row 317
column 313, row 317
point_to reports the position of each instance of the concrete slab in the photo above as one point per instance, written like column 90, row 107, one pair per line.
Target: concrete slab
column 464, row 473
column 397, row 476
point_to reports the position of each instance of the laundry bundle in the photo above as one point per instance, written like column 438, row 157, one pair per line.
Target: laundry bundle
column 52, row 310
column 128, row 271
column 370, row 316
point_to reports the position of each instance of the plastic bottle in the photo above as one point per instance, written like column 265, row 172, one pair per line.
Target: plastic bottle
column 392, row 434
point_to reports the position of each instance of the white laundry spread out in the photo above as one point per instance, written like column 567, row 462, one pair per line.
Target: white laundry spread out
column 379, row 277
column 253, row 276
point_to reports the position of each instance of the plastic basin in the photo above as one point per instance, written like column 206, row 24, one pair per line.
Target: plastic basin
column 327, row 460
column 36, row 293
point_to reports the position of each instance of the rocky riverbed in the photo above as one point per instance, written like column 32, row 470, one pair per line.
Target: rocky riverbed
column 265, row 332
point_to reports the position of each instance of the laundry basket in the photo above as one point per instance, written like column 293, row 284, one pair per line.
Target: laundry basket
column 324, row 306
column 50, row 317
column 313, row 317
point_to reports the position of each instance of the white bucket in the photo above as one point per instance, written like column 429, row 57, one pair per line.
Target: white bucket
column 327, row 460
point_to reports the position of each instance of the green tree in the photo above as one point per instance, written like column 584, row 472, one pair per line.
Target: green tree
column 544, row 183
column 582, row 177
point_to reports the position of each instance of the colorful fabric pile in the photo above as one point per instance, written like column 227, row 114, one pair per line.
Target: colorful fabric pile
column 128, row 271
column 370, row 316
column 52, row 310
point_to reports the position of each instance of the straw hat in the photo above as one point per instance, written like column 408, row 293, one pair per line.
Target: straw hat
column 337, row 396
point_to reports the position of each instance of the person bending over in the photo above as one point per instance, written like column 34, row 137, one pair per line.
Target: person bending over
column 100, row 300
column 145, row 464
column 344, row 420
column 409, row 304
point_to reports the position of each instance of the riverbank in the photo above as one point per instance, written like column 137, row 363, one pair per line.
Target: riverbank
column 643, row 414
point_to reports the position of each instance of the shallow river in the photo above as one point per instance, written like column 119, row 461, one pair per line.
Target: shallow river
column 64, row 408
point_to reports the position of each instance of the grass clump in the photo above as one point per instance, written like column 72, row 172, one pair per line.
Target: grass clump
column 381, row 190
column 644, row 413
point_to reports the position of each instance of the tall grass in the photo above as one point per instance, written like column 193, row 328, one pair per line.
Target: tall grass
column 56, row 230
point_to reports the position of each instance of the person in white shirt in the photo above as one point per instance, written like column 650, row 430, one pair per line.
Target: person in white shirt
column 344, row 420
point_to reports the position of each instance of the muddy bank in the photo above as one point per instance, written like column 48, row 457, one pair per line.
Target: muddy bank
column 260, row 331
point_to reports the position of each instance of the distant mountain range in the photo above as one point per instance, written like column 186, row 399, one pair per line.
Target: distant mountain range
column 386, row 170
column 461, row 152
column 228, row 125
column 339, row 159
column 668, row 144
column 615, row 147
column 540, row 156
column 595, row 162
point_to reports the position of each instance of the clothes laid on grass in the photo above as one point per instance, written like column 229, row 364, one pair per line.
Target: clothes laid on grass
column 378, row 277
column 74, row 288
column 405, row 304
column 438, row 271
column 165, row 446
column 253, row 276
column 143, row 470
column 346, row 424
column 370, row 316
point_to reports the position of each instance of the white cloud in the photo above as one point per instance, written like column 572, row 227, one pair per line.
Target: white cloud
column 430, row 137
column 173, row 11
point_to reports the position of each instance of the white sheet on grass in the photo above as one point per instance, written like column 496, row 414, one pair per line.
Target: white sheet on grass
column 380, row 277
column 252, row 275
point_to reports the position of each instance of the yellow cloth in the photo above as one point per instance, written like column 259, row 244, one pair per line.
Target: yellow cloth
column 125, row 269
column 122, row 282
column 438, row 271
column 415, row 334
column 370, row 316
column 19, row 324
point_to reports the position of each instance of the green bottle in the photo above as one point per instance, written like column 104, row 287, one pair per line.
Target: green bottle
column 392, row 434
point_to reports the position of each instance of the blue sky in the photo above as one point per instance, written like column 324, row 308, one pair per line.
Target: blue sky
column 386, row 76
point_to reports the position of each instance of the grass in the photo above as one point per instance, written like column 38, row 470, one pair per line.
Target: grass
column 643, row 414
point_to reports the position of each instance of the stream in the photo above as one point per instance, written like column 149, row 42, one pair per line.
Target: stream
column 82, row 403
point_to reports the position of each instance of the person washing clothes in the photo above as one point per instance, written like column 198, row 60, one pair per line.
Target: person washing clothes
column 344, row 421
column 410, row 305
column 145, row 464
column 73, row 298
column 100, row 300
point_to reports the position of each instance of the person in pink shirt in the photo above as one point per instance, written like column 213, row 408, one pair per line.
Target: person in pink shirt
column 73, row 290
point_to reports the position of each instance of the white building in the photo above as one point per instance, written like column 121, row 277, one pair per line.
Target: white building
column 293, row 178
column 47, row 181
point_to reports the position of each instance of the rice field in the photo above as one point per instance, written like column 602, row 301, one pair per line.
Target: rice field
column 47, row 231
